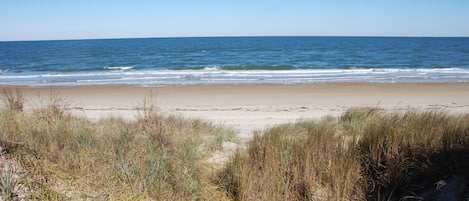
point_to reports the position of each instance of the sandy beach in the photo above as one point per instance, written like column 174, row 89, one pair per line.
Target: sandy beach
column 247, row 108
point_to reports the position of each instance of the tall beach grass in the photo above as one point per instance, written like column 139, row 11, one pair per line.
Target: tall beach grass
column 366, row 154
column 69, row 158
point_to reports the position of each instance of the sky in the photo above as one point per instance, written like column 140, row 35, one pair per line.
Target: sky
column 89, row 19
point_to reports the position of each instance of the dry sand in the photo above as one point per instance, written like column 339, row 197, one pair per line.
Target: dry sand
column 247, row 108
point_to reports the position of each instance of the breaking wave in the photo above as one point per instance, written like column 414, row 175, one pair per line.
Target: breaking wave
column 216, row 75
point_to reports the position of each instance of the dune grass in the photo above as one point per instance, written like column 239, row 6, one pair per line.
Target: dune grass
column 366, row 154
column 12, row 99
column 69, row 158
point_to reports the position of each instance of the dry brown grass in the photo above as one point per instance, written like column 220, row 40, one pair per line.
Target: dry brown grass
column 155, row 157
column 13, row 99
column 304, row 161
column 367, row 154
column 406, row 156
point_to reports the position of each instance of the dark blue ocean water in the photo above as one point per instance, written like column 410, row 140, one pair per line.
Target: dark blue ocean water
column 234, row 60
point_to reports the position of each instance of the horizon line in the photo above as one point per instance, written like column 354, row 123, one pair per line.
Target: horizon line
column 233, row 36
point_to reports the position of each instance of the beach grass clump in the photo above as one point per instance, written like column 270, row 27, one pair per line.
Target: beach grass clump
column 223, row 135
column 13, row 99
column 415, row 155
column 66, row 157
column 366, row 154
column 303, row 161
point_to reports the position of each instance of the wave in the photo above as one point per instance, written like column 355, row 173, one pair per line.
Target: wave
column 218, row 75
column 271, row 67
column 122, row 68
column 53, row 69
column 293, row 67
column 219, row 70
column 240, row 67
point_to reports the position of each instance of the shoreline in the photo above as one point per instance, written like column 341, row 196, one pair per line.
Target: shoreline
column 231, row 84
column 250, row 107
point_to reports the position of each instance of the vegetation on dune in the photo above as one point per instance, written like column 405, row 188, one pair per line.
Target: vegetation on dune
column 13, row 99
column 65, row 157
column 365, row 154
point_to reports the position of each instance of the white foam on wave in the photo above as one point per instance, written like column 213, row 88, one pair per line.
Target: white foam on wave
column 119, row 68
column 218, row 76
column 212, row 68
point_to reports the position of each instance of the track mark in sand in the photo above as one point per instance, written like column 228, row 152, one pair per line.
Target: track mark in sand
column 283, row 110
column 104, row 109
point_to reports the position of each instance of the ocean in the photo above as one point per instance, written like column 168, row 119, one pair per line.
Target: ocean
column 234, row 60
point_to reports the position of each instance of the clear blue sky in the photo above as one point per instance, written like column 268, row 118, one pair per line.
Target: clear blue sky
column 78, row 19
